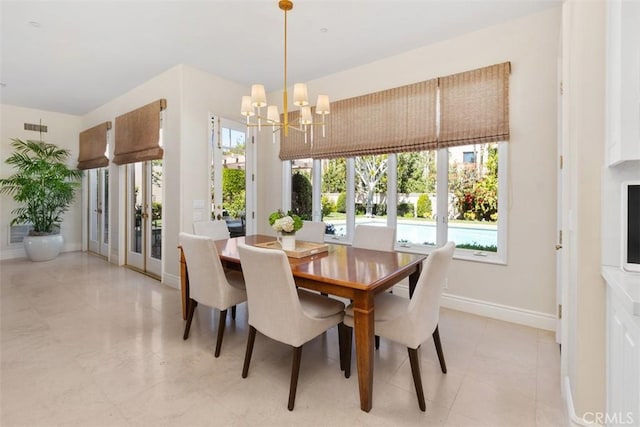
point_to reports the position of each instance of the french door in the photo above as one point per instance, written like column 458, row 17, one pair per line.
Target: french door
column 232, row 183
column 98, row 223
column 144, row 217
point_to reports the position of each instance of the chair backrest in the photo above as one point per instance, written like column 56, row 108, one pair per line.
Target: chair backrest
column 217, row 230
column 424, row 306
column 273, row 302
column 311, row 231
column 380, row 238
column 207, row 282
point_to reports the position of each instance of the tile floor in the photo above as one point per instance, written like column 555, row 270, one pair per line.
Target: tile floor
column 86, row 343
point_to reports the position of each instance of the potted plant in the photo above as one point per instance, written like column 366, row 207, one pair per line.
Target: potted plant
column 45, row 186
column 286, row 225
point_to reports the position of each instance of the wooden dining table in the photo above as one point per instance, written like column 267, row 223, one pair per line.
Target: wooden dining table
column 344, row 271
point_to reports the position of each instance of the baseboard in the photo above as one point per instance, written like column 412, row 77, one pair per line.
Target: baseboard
column 574, row 420
column 13, row 253
column 521, row 316
column 18, row 252
column 171, row 280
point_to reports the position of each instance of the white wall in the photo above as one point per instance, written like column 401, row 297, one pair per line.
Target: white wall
column 584, row 134
column 63, row 130
column 527, row 282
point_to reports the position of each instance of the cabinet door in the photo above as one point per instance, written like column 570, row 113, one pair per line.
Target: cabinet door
column 623, row 81
column 623, row 366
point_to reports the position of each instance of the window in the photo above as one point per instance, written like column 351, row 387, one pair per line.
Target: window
column 469, row 157
column 429, row 160
column 466, row 207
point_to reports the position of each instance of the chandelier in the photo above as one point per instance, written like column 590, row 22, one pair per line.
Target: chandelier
column 252, row 106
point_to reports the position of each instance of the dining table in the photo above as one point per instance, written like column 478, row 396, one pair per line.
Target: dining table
column 353, row 273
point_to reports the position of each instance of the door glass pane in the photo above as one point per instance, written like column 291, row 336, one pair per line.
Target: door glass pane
column 94, row 198
column 105, row 209
column 371, row 189
column 473, row 196
column 136, row 204
column 301, row 188
column 416, row 204
column 334, row 196
column 156, row 209
column 233, row 180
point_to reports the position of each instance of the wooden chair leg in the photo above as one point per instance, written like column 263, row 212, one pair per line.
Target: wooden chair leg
column 347, row 350
column 295, row 369
column 192, row 307
column 233, row 312
column 221, row 324
column 414, row 358
column 247, row 355
column 436, row 340
column 342, row 340
column 377, row 342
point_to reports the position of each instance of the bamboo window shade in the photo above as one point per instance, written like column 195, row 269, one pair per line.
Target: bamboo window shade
column 466, row 108
column 137, row 135
column 474, row 106
column 390, row 121
column 92, row 147
column 293, row 146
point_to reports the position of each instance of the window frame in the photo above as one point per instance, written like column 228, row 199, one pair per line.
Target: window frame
column 442, row 165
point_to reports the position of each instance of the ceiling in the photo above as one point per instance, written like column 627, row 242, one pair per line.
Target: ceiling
column 73, row 56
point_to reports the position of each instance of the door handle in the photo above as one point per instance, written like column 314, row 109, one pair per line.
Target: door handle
column 558, row 247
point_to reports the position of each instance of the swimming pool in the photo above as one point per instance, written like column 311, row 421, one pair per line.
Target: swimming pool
column 424, row 233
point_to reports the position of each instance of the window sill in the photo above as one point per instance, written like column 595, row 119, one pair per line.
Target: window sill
column 459, row 254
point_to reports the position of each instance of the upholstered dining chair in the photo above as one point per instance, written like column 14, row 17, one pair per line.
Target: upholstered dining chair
column 217, row 230
column 411, row 321
column 280, row 311
column 208, row 283
column 311, row 231
column 380, row 238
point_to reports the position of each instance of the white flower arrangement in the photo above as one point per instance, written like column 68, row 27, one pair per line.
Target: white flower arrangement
column 289, row 223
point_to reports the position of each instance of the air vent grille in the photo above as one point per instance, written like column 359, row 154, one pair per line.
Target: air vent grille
column 35, row 127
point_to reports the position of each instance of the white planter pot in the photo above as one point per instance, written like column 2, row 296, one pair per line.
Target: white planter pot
column 43, row 248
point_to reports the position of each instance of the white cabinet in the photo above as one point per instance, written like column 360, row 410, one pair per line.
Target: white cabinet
column 623, row 348
column 623, row 81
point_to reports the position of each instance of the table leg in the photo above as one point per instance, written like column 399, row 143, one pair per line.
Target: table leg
column 364, row 332
column 413, row 279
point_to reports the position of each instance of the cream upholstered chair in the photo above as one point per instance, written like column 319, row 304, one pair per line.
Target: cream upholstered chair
column 280, row 311
column 217, row 230
column 380, row 238
column 411, row 321
column 208, row 283
column 311, row 231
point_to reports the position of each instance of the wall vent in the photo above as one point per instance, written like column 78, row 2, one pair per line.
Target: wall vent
column 18, row 232
column 35, row 127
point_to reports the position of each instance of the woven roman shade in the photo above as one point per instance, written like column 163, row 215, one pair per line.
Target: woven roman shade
column 137, row 135
column 93, row 144
column 293, row 146
column 474, row 106
column 391, row 121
